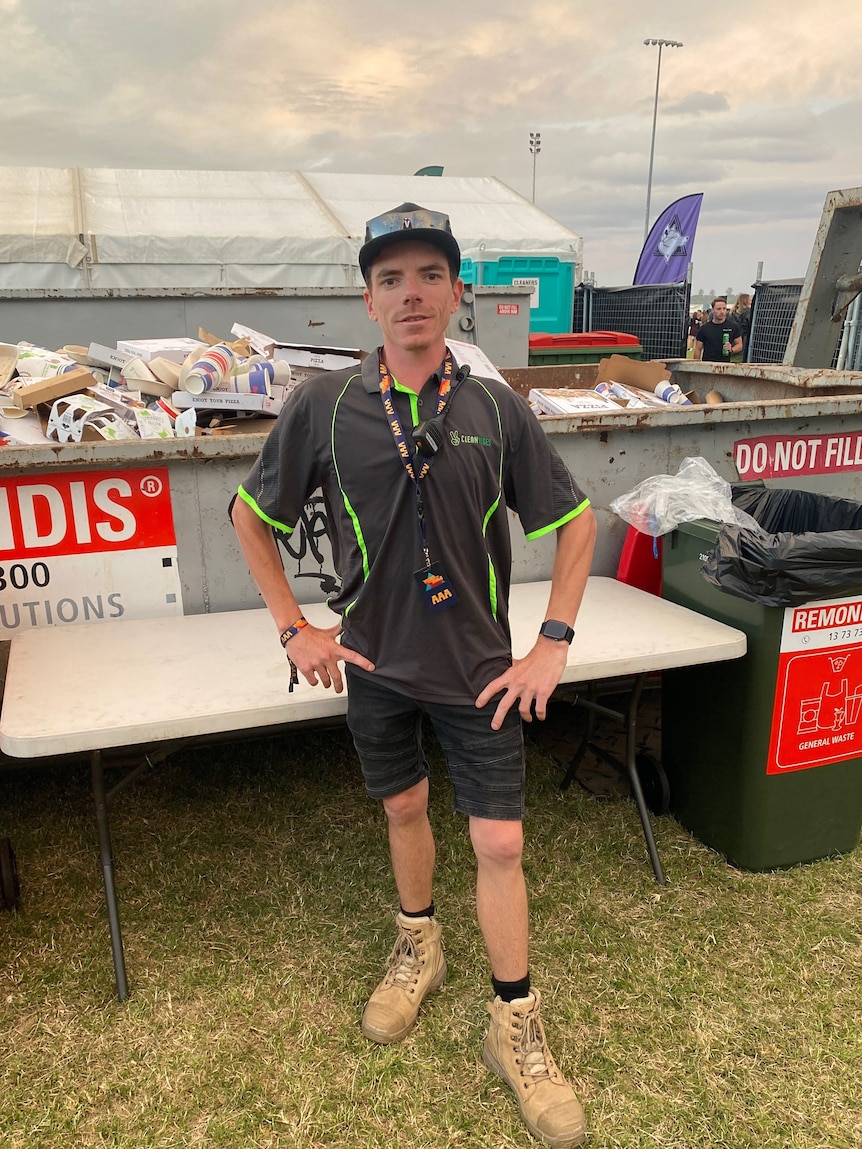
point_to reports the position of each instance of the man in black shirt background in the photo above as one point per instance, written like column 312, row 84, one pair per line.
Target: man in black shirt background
column 710, row 343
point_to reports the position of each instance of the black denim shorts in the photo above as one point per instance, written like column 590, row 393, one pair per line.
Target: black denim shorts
column 486, row 767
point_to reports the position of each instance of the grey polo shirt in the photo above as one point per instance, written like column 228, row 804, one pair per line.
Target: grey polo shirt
column 333, row 434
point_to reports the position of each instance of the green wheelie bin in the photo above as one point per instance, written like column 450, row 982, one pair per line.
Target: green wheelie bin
column 763, row 755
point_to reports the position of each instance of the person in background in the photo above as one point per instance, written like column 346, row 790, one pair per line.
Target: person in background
column 418, row 520
column 693, row 328
column 720, row 338
column 742, row 314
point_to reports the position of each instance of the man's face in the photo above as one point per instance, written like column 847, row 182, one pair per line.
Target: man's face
column 719, row 311
column 411, row 295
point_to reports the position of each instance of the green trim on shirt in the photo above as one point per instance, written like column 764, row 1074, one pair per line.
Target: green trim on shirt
column 357, row 527
column 414, row 399
column 492, row 574
column 560, row 522
column 246, row 498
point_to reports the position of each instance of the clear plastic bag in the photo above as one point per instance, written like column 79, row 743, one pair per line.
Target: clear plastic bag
column 696, row 491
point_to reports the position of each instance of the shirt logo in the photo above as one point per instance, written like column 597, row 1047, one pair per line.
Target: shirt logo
column 456, row 439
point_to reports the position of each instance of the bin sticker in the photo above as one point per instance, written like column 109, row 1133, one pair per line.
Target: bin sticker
column 817, row 717
column 784, row 456
column 87, row 546
column 508, row 309
column 533, row 285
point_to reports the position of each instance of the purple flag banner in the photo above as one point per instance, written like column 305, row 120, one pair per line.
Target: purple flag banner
column 667, row 251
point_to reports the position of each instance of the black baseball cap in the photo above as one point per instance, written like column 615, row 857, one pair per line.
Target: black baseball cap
column 409, row 221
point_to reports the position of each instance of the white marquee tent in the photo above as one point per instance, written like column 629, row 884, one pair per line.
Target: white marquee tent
column 103, row 229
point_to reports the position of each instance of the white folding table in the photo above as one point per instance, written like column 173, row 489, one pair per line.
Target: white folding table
column 150, row 685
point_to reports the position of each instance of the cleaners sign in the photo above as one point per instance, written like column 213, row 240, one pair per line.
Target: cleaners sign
column 86, row 546
column 784, row 456
column 817, row 717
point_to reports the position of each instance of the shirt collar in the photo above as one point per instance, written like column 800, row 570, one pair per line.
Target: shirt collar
column 370, row 371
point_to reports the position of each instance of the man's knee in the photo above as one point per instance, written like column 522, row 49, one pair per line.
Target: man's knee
column 409, row 805
column 499, row 842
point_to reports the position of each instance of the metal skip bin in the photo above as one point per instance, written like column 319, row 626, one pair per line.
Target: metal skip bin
column 609, row 452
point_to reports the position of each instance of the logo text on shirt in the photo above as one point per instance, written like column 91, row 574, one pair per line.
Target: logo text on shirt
column 456, row 439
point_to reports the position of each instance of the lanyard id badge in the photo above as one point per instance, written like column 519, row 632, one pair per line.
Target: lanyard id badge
column 437, row 591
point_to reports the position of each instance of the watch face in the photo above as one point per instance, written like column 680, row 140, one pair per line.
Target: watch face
column 557, row 630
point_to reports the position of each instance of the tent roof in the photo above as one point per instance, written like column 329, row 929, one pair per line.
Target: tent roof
column 137, row 216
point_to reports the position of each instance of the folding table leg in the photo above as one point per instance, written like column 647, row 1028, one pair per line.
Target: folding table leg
column 581, row 750
column 631, row 766
column 629, row 717
column 107, row 859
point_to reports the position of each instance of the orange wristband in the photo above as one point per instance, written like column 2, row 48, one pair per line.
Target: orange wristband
column 286, row 635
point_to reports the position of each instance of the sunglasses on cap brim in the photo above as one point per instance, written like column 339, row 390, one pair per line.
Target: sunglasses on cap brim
column 394, row 221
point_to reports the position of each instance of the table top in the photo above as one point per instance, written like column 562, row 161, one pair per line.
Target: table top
column 102, row 685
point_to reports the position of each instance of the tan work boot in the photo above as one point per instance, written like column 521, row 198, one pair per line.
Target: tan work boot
column 517, row 1051
column 416, row 968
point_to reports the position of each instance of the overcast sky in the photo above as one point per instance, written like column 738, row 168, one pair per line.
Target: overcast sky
column 760, row 110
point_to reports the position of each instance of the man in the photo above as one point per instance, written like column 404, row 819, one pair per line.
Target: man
column 418, row 461
column 710, row 343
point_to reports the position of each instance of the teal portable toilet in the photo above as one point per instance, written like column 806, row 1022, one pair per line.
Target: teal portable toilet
column 551, row 279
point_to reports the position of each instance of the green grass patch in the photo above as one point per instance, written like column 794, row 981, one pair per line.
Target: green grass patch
column 722, row 1011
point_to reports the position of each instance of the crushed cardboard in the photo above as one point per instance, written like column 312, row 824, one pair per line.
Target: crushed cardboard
column 129, row 381
column 644, row 374
column 633, row 384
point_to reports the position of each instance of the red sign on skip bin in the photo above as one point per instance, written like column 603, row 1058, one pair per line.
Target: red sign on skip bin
column 87, row 546
column 785, row 456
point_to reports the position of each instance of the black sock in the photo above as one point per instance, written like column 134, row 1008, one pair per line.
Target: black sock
column 429, row 913
column 510, row 990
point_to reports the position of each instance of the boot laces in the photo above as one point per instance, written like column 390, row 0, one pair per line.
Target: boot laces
column 403, row 962
column 534, row 1049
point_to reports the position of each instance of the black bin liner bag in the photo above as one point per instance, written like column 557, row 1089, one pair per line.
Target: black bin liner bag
column 812, row 548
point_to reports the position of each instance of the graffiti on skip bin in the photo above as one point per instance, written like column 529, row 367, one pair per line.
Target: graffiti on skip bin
column 305, row 547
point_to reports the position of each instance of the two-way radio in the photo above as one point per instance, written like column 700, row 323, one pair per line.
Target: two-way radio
column 428, row 436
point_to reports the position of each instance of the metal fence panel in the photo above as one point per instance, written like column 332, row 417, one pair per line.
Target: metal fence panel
column 657, row 314
column 772, row 313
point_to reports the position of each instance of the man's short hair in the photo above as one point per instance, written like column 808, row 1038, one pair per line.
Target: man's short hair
column 719, row 299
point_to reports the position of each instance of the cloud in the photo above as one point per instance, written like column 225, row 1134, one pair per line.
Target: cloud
column 696, row 102
column 764, row 129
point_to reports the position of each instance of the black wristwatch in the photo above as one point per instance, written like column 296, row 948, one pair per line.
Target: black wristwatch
column 558, row 631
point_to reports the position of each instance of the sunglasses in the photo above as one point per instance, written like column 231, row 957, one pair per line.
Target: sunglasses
column 394, row 221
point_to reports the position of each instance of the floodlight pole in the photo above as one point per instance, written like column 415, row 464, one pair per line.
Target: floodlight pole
column 660, row 44
column 535, row 148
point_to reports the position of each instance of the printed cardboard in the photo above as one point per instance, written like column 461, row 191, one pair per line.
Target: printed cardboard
column 313, row 360
column 120, row 400
column 153, row 424
column 176, row 348
column 226, row 401
column 569, row 401
column 69, row 418
column 107, row 356
column 258, row 341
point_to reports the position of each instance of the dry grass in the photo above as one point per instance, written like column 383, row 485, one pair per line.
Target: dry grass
column 721, row 1011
